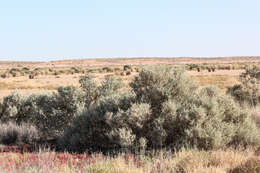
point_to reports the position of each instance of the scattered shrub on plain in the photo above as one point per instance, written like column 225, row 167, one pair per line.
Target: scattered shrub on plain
column 127, row 67
column 107, row 69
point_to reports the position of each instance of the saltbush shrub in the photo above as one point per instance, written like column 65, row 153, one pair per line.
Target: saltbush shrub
column 11, row 107
column 92, row 130
column 53, row 113
column 165, row 108
column 50, row 113
column 248, row 91
column 157, row 85
column 107, row 69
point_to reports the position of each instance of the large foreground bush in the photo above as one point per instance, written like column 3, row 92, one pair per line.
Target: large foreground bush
column 164, row 108
column 52, row 113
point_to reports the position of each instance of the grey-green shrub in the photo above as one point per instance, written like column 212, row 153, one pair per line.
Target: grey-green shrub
column 163, row 108
column 110, row 85
column 93, row 91
column 13, row 134
column 50, row 113
column 159, row 84
column 11, row 107
column 93, row 129
column 166, row 109
column 248, row 91
column 90, row 88
column 53, row 113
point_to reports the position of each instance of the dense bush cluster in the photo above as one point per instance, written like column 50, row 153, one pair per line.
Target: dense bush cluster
column 163, row 108
column 52, row 113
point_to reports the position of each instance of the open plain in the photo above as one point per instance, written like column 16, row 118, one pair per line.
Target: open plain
column 225, row 75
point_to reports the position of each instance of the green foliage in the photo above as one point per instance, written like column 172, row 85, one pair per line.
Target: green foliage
column 248, row 91
column 95, row 125
column 163, row 108
column 166, row 109
column 11, row 107
column 110, row 85
column 90, row 88
column 50, row 113
column 25, row 69
column 107, row 69
column 53, row 113
column 157, row 85
column 76, row 69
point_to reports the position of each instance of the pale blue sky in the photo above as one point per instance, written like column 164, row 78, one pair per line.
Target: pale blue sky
column 65, row 29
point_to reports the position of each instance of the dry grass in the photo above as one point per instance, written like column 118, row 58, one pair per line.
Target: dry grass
column 184, row 161
column 42, row 83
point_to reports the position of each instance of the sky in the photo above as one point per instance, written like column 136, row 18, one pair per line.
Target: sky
column 45, row 30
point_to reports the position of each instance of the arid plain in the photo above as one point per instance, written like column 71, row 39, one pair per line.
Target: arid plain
column 51, row 75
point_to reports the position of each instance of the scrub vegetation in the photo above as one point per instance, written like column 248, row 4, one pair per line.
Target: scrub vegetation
column 160, row 121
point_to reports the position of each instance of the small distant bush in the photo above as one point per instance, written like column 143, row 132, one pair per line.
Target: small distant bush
column 107, row 69
column 127, row 67
column 13, row 134
column 192, row 66
column 25, row 69
column 93, row 70
column 76, row 69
